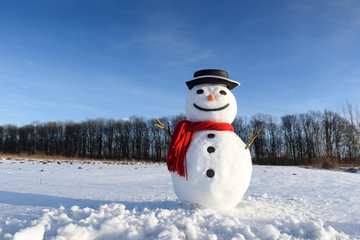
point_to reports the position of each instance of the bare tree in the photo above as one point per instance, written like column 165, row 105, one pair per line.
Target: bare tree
column 241, row 128
column 351, row 112
column 273, row 137
column 260, row 144
column 2, row 138
column 312, row 135
column 109, row 132
column 288, row 128
column 10, row 138
column 310, row 138
column 333, row 126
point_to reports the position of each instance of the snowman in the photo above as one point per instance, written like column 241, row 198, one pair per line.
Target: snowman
column 210, row 165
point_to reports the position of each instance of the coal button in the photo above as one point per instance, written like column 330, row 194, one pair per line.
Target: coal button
column 211, row 149
column 210, row 173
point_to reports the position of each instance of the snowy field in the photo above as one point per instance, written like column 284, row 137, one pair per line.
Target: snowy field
column 73, row 200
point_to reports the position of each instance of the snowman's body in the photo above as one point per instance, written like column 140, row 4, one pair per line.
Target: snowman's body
column 230, row 163
column 217, row 163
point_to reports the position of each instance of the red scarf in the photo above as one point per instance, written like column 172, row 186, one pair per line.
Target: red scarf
column 181, row 139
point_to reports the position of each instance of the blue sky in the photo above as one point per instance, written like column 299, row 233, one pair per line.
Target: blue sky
column 78, row 60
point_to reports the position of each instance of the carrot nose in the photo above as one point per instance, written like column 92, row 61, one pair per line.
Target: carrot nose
column 211, row 97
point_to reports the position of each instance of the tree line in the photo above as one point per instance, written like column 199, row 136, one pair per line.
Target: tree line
column 325, row 138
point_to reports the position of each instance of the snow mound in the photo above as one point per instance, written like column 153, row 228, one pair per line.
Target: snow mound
column 114, row 221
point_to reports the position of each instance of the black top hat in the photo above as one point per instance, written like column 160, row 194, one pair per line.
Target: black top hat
column 212, row 76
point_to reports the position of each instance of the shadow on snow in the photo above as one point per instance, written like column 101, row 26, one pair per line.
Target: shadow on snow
column 40, row 200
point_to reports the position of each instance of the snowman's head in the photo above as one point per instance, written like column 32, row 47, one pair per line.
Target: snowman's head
column 210, row 102
column 210, row 98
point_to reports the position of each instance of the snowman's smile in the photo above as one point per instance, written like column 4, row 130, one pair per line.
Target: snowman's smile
column 211, row 109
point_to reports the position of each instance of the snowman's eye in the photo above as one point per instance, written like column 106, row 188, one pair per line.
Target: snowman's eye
column 200, row 91
column 222, row 92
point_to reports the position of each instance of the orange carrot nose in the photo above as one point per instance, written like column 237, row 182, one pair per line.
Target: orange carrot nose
column 211, row 97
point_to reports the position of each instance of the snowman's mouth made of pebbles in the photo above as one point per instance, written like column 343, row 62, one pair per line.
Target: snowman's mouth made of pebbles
column 211, row 109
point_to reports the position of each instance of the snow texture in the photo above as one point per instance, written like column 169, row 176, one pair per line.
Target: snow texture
column 73, row 200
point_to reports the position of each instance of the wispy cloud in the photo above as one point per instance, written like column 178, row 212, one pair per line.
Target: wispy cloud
column 166, row 43
column 264, row 66
column 340, row 20
column 30, row 63
column 22, row 102
column 85, row 108
column 125, row 44
column 354, row 80
column 291, row 90
column 196, row 57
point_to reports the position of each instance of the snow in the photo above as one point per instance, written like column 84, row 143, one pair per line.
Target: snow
column 74, row 200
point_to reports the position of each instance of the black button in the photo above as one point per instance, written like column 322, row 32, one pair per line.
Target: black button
column 211, row 149
column 211, row 135
column 210, row 173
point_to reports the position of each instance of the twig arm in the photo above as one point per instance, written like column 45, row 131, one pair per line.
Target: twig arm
column 162, row 127
column 257, row 134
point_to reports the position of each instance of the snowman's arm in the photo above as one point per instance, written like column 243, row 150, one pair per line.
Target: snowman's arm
column 166, row 130
column 257, row 134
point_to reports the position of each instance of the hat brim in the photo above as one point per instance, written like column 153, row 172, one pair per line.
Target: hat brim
column 230, row 84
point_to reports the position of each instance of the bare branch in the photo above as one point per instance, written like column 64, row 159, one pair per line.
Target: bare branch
column 257, row 134
column 160, row 125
